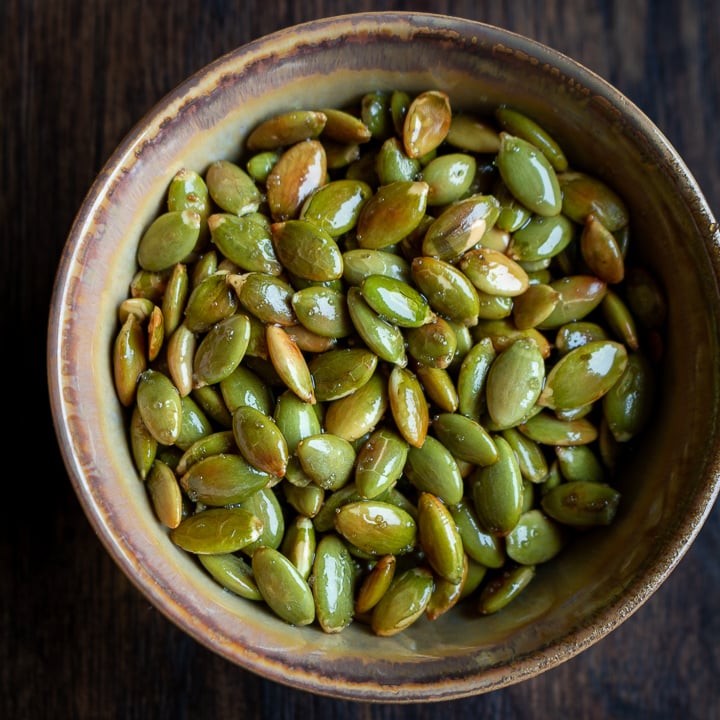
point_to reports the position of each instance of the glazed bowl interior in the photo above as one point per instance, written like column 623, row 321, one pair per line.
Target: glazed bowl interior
column 668, row 485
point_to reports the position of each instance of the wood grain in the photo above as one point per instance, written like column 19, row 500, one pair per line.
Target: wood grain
column 77, row 640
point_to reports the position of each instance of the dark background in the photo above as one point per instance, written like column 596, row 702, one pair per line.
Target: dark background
column 77, row 640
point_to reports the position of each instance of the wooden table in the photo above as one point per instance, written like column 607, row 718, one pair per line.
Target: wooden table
column 77, row 640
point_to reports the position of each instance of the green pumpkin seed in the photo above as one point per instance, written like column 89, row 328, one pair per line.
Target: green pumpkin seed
column 520, row 125
column 286, row 128
column 583, row 375
column 308, row 340
column 439, row 387
column 380, row 463
column 233, row 573
column 601, row 252
column 629, row 402
column 495, row 307
column 579, row 462
column 547, row 429
column 221, row 350
column 393, row 165
column 432, row 344
column 439, row 538
column 645, row 297
column 356, row 414
column 500, row 590
column 494, row 273
column 529, row 176
column 514, row 382
column 195, row 424
column 391, row 214
column 308, row 499
column 460, row 226
column 210, row 399
column 481, row 546
column 244, row 387
column 432, row 468
column 206, row 265
column 620, row 320
column 396, row 301
column 211, row 300
column 376, row 114
column 289, row 363
column 165, row 494
column 174, row 298
column 245, row 242
column 160, row 406
column 338, row 373
column 574, row 334
column 168, row 240
column 217, row 531
column 295, row 419
column 503, row 333
column 142, row 444
column 535, row 539
column 264, row 504
column 408, row 405
column 216, row 443
column 361, row 262
column 383, row 338
column 497, row 492
column 427, row 123
column 471, row 133
column 541, row 238
column 333, row 584
column 261, row 164
column 156, row 333
column 335, row 207
column 187, row 191
column 327, row 459
column 231, row 188
column 449, row 292
column 301, row 170
column 376, row 527
column 299, row 544
column 282, row 587
column 307, row 251
column 582, row 503
column 222, row 479
column 323, row 311
column 446, row 594
column 513, row 214
column 584, row 195
column 375, row 584
column 265, row 296
column 472, row 378
column 129, row 359
column 465, row 438
column 140, row 307
column 534, row 306
column 449, row 177
column 403, row 602
column 579, row 296
column 149, row 285
column 260, row 440
column 531, row 459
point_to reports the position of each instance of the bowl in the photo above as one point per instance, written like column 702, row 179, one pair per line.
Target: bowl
column 668, row 485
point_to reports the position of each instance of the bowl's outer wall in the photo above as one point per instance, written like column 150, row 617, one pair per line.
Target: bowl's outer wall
column 668, row 486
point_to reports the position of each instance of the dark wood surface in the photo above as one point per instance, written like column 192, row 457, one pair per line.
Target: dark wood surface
column 77, row 640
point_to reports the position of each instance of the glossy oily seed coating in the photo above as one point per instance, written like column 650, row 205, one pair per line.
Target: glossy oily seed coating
column 387, row 360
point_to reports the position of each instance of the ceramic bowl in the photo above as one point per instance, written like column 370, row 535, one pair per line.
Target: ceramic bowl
column 668, row 485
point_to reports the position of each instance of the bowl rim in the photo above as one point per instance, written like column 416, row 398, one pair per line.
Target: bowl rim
column 483, row 680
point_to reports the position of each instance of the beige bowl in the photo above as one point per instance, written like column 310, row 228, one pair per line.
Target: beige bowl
column 669, row 486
